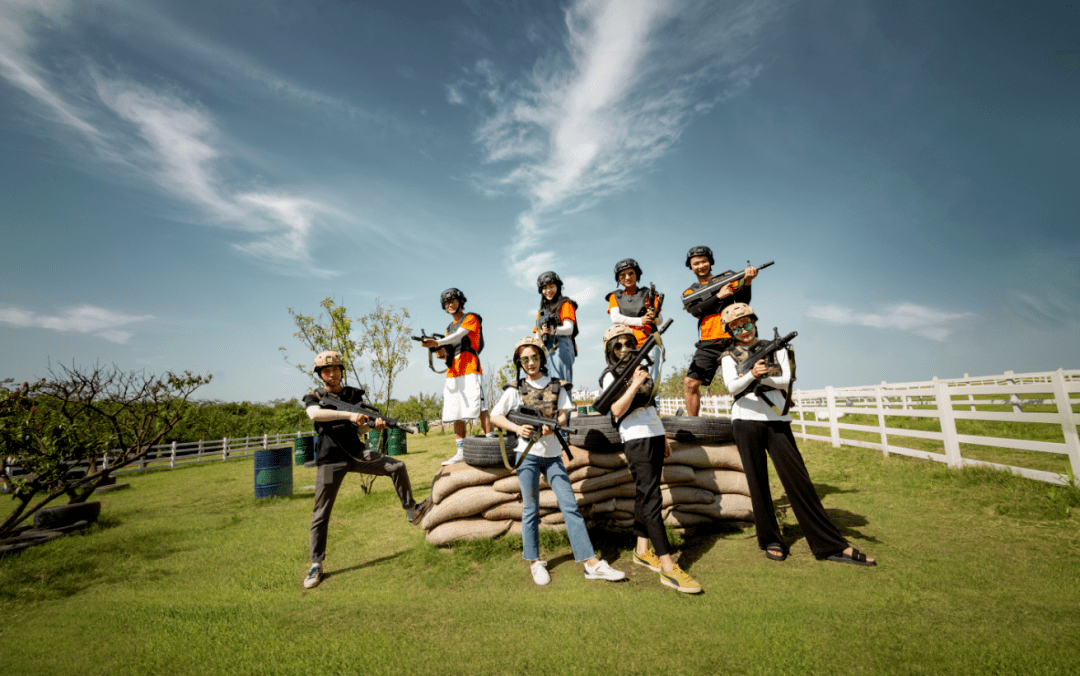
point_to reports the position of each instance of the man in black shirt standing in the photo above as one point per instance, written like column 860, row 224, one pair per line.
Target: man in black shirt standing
column 341, row 451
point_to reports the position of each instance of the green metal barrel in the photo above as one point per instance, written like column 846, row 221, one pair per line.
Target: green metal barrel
column 304, row 449
column 395, row 441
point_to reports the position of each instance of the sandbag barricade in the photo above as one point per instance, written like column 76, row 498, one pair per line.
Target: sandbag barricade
column 701, row 484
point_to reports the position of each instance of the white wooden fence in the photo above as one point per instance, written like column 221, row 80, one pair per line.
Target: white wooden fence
column 944, row 400
column 175, row 454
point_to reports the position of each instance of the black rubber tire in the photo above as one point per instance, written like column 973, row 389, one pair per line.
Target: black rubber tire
column 697, row 429
column 482, row 451
column 595, row 432
column 65, row 515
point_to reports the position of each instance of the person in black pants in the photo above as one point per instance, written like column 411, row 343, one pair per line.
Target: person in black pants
column 341, row 451
column 760, row 423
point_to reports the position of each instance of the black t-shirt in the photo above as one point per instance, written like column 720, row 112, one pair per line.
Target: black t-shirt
column 338, row 439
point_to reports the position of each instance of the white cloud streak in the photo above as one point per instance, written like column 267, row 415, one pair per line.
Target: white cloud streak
column 158, row 135
column 918, row 319
column 90, row 319
column 591, row 118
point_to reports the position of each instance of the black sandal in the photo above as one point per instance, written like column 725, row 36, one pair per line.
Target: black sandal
column 856, row 558
column 775, row 552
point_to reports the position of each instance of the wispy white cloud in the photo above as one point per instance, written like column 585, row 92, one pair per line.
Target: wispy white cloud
column 918, row 319
column 91, row 319
column 159, row 134
column 596, row 113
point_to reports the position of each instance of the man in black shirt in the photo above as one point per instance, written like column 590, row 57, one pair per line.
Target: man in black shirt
column 341, row 451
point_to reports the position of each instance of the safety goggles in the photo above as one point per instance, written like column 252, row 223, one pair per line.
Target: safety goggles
column 624, row 344
column 530, row 358
column 736, row 330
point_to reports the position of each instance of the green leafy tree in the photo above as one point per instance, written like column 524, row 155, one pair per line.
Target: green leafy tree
column 102, row 418
column 331, row 329
column 672, row 386
column 387, row 337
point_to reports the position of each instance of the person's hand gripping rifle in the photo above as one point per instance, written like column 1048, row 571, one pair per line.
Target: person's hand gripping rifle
column 444, row 352
column 533, row 426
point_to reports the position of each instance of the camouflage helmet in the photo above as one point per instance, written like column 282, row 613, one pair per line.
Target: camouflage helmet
column 328, row 358
column 627, row 264
column 451, row 294
column 735, row 311
column 617, row 330
column 700, row 251
column 549, row 277
column 530, row 341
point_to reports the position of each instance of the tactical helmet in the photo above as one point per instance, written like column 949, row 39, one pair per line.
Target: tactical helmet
column 617, row 330
column 549, row 277
column 328, row 358
column 627, row 264
column 451, row 294
column 734, row 311
column 700, row 251
column 530, row 341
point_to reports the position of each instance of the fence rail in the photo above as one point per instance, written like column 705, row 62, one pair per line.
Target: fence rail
column 947, row 401
column 176, row 454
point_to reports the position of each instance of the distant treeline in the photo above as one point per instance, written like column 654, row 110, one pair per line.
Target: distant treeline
column 218, row 419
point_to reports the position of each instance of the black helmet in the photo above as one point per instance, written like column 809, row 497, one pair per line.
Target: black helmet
column 549, row 277
column 451, row 294
column 627, row 264
column 700, row 251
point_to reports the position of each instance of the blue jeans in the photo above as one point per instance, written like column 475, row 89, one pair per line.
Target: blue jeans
column 529, row 478
column 561, row 362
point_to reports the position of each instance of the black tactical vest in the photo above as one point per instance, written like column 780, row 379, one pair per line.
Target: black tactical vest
column 630, row 305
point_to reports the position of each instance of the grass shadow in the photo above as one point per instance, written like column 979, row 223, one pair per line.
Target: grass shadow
column 366, row 564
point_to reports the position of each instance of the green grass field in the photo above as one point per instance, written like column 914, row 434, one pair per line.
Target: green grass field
column 188, row 574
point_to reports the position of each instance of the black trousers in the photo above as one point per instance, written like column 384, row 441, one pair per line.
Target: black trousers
column 328, row 480
column 754, row 437
column 646, row 460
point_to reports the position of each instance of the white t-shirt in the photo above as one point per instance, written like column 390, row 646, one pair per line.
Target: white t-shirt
column 752, row 406
column 547, row 446
column 642, row 423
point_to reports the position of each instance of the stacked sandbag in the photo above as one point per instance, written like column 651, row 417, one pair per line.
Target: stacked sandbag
column 702, row 483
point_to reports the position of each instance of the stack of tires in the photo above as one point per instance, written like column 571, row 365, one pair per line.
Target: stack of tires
column 702, row 482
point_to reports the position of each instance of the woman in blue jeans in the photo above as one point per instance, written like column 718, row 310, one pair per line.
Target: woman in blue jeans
column 556, row 323
column 547, row 395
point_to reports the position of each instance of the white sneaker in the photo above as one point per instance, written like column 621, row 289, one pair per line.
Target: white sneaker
column 458, row 457
column 314, row 576
column 603, row 571
column 539, row 572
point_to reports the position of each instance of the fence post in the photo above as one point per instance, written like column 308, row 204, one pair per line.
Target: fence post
column 801, row 411
column 199, row 459
column 971, row 397
column 142, row 462
column 266, row 438
column 172, row 457
column 1014, row 398
column 881, row 423
column 224, row 449
column 834, row 431
column 948, row 425
column 1068, row 424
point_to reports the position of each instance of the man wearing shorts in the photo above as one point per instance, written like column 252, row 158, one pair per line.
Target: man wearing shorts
column 712, row 338
column 463, row 394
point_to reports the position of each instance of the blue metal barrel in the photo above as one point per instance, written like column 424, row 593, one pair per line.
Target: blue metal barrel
column 273, row 472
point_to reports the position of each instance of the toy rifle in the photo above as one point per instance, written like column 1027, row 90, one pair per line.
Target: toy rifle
column 524, row 415
column 332, row 402
column 654, row 300
column 550, row 340
column 624, row 370
column 692, row 301
column 763, row 350
column 449, row 350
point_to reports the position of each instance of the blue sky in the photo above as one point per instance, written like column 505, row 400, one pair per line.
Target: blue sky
column 174, row 175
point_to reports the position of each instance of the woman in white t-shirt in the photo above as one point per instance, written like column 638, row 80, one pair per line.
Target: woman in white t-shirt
column 549, row 397
column 645, row 446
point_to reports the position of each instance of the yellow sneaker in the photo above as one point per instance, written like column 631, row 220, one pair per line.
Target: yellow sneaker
column 681, row 580
column 649, row 559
